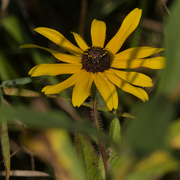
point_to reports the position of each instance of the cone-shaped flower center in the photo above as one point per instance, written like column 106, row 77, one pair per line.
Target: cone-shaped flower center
column 96, row 59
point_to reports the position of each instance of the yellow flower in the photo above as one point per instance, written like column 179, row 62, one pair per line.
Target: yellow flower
column 102, row 65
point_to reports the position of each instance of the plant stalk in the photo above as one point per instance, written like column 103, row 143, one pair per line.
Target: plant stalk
column 100, row 142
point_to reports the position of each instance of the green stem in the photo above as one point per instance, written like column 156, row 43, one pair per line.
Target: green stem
column 101, row 146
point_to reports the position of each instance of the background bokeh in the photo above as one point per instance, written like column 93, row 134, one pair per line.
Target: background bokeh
column 153, row 135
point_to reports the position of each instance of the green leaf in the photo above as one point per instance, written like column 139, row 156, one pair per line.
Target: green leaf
column 52, row 119
column 37, row 120
column 148, row 131
column 171, row 74
column 20, row 81
column 88, row 155
column 101, row 168
column 124, row 114
column 115, row 135
column 115, row 130
column 5, row 148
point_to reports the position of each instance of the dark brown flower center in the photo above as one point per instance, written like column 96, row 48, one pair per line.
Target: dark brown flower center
column 96, row 59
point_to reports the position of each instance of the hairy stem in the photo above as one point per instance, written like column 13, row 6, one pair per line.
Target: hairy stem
column 101, row 146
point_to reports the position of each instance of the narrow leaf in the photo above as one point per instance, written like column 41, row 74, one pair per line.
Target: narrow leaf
column 52, row 119
column 20, row 81
column 5, row 148
column 101, row 168
column 88, row 156
column 26, row 173
column 115, row 130
column 115, row 136
column 171, row 74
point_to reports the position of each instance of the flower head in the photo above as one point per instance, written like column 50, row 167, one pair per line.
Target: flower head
column 100, row 64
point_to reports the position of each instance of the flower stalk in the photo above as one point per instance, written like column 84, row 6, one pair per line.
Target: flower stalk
column 100, row 142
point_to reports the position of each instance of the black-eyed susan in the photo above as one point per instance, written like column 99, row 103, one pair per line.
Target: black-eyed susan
column 100, row 64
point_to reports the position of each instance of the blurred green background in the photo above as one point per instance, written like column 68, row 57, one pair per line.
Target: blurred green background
column 150, row 144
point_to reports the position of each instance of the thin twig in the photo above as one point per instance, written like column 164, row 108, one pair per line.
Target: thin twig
column 82, row 17
column 165, row 7
column 26, row 173
column 26, row 15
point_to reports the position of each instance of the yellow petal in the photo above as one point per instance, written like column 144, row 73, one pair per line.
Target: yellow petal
column 98, row 33
column 80, row 41
column 82, row 89
column 136, row 91
column 152, row 63
column 137, row 53
column 55, row 89
column 146, row 97
column 55, row 69
column 60, row 56
column 107, row 90
column 128, row 26
column 134, row 78
column 59, row 39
